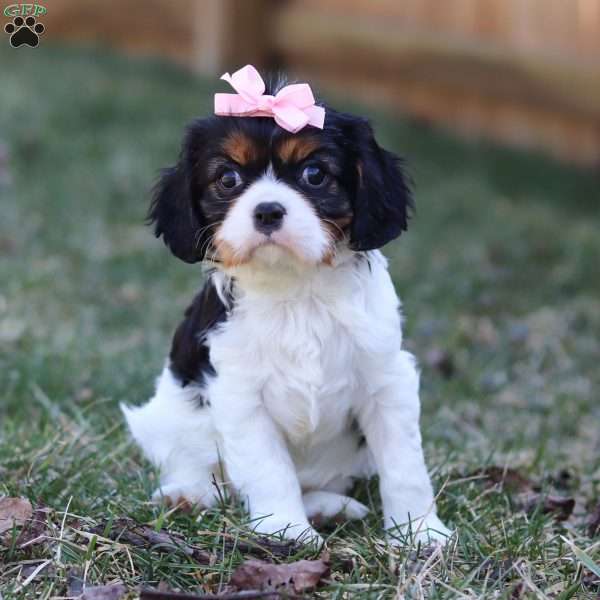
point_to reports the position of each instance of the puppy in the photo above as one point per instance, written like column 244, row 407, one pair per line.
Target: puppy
column 286, row 379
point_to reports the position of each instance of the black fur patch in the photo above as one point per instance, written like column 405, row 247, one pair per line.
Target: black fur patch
column 190, row 361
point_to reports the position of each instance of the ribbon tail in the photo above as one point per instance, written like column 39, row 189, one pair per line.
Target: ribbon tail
column 316, row 116
column 247, row 82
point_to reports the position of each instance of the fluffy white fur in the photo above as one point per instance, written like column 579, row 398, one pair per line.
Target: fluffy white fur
column 306, row 349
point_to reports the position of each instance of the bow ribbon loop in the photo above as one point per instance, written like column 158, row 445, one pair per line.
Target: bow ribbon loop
column 293, row 107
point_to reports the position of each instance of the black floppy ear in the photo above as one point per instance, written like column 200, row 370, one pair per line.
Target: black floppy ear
column 382, row 197
column 174, row 216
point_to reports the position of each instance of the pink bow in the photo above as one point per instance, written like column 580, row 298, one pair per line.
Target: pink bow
column 293, row 107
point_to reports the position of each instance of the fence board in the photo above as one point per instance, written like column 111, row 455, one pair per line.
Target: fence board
column 522, row 71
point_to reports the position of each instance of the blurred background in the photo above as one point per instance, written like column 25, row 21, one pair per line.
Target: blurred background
column 495, row 104
column 524, row 72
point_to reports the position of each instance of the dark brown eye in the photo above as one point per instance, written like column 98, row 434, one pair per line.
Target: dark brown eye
column 314, row 176
column 230, row 179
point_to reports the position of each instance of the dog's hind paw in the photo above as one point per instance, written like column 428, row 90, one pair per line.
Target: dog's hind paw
column 183, row 495
column 323, row 505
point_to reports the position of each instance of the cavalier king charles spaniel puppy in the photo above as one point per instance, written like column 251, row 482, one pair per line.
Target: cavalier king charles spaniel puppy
column 286, row 380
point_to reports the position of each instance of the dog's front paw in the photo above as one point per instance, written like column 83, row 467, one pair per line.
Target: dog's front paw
column 290, row 529
column 429, row 531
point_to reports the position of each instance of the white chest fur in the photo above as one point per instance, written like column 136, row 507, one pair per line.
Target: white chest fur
column 302, row 342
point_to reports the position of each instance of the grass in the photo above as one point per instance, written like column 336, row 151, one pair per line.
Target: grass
column 498, row 275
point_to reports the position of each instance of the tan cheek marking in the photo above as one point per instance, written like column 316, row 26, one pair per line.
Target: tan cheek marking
column 228, row 256
column 329, row 256
column 336, row 230
column 336, row 227
column 241, row 148
column 296, row 149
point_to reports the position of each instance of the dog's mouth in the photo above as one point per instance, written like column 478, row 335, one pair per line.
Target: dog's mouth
column 266, row 249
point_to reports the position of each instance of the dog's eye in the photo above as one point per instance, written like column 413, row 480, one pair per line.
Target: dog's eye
column 314, row 176
column 230, row 179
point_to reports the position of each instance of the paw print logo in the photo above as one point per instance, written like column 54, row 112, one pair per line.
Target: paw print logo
column 24, row 32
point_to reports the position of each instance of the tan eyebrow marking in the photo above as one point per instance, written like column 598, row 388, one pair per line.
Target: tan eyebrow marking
column 296, row 149
column 240, row 148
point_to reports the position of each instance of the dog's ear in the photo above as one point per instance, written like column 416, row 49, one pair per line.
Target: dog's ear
column 173, row 215
column 382, row 197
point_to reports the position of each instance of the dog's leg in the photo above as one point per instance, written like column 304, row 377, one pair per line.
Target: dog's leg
column 177, row 436
column 390, row 422
column 258, row 463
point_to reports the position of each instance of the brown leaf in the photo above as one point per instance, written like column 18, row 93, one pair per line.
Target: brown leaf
column 511, row 479
column 35, row 529
column 442, row 361
column 558, row 506
column 517, row 591
column 594, row 522
column 296, row 577
column 243, row 595
column 14, row 511
column 75, row 583
column 528, row 497
column 4, row 160
column 104, row 592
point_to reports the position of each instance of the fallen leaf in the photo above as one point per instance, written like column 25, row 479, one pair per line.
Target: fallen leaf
column 31, row 572
column 594, row 522
column 563, row 480
column 517, row 591
column 298, row 576
column 104, row 592
column 14, row 511
column 591, row 581
column 74, row 583
column 558, row 506
column 527, row 495
column 227, row 595
column 7, row 245
column 510, row 479
column 4, row 160
column 35, row 530
column 442, row 361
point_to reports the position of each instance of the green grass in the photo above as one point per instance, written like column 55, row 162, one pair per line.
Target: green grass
column 500, row 271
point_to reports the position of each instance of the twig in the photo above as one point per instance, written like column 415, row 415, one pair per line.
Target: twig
column 126, row 531
column 141, row 536
column 264, row 547
column 244, row 595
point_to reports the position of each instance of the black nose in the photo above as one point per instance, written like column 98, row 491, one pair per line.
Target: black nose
column 268, row 216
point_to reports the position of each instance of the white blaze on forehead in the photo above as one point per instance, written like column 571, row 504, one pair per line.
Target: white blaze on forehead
column 270, row 173
column 302, row 232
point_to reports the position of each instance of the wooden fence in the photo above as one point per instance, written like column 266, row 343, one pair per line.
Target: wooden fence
column 525, row 72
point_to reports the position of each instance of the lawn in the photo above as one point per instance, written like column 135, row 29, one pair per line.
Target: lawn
column 499, row 276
